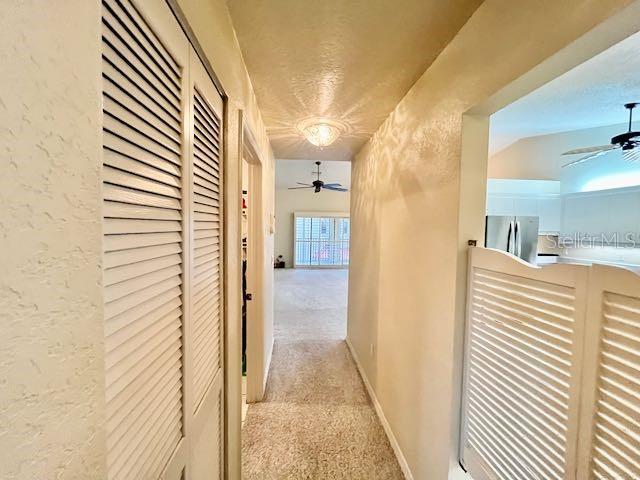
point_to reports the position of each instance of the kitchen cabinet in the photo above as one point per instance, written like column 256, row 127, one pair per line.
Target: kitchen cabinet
column 537, row 198
column 602, row 216
column 594, row 217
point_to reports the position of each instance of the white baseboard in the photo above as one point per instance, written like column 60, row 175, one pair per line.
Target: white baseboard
column 267, row 367
column 404, row 466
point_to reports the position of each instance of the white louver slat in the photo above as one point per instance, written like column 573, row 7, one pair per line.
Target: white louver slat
column 617, row 434
column 206, row 259
column 523, row 351
column 610, row 441
column 143, row 244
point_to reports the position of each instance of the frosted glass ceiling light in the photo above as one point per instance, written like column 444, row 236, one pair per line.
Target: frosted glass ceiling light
column 320, row 133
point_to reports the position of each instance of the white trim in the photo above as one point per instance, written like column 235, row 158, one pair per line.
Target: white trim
column 404, row 466
column 267, row 366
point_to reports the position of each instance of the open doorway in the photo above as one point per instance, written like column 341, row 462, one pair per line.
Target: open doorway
column 564, row 158
column 246, row 295
column 543, row 130
column 256, row 346
column 312, row 223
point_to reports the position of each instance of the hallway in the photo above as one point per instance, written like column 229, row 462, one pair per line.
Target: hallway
column 316, row 421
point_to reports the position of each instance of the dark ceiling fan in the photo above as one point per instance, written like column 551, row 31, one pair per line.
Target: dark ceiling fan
column 318, row 184
column 628, row 142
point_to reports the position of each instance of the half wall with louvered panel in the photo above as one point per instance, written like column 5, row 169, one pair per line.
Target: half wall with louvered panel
column 524, row 327
column 144, row 111
column 207, row 297
column 611, row 420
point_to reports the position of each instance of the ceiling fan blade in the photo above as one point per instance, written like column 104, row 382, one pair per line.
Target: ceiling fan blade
column 297, row 188
column 305, row 184
column 632, row 155
column 587, row 158
column 600, row 148
column 332, row 185
column 335, row 189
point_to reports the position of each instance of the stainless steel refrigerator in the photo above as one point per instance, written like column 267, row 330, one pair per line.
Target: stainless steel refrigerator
column 516, row 235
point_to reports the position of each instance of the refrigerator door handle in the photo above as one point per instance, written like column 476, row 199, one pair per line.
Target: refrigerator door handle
column 509, row 237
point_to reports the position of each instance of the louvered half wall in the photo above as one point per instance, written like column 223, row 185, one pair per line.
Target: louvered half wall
column 520, row 405
column 616, row 436
column 142, row 193
column 206, row 285
column 519, row 374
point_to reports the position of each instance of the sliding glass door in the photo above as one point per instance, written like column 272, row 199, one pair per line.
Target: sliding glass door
column 321, row 240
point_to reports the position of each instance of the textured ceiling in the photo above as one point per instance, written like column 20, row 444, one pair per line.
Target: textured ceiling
column 289, row 172
column 590, row 95
column 346, row 60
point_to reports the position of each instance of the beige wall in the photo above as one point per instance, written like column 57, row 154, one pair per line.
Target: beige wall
column 211, row 23
column 51, row 319
column 290, row 201
column 404, row 210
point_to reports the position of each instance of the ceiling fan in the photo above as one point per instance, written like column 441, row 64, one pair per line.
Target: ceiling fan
column 628, row 142
column 318, row 184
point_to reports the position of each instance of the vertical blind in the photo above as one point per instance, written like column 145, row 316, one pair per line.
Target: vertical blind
column 321, row 241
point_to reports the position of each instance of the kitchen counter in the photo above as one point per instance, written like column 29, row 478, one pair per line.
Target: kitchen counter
column 552, row 259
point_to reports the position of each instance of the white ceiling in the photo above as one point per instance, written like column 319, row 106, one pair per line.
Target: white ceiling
column 346, row 60
column 590, row 95
column 288, row 172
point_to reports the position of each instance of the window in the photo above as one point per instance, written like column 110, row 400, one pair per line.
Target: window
column 321, row 241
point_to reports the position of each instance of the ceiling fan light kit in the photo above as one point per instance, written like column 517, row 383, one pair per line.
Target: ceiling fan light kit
column 318, row 185
column 627, row 142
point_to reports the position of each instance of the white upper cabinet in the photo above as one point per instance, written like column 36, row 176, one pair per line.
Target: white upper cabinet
column 604, row 216
column 537, row 198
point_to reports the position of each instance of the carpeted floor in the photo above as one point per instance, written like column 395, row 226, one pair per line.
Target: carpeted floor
column 317, row 421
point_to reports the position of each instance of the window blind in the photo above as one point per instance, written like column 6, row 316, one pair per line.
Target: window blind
column 321, row 241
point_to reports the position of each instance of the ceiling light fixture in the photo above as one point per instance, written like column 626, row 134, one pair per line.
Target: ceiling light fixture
column 320, row 132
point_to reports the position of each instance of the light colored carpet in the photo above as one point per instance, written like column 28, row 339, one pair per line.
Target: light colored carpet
column 317, row 421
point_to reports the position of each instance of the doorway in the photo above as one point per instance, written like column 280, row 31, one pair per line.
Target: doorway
column 252, row 272
column 527, row 193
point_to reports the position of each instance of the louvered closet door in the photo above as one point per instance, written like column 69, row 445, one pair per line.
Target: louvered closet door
column 610, row 427
column 522, row 368
column 206, row 276
column 145, row 102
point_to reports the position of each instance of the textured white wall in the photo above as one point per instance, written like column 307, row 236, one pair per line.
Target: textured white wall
column 51, row 354
column 290, row 201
